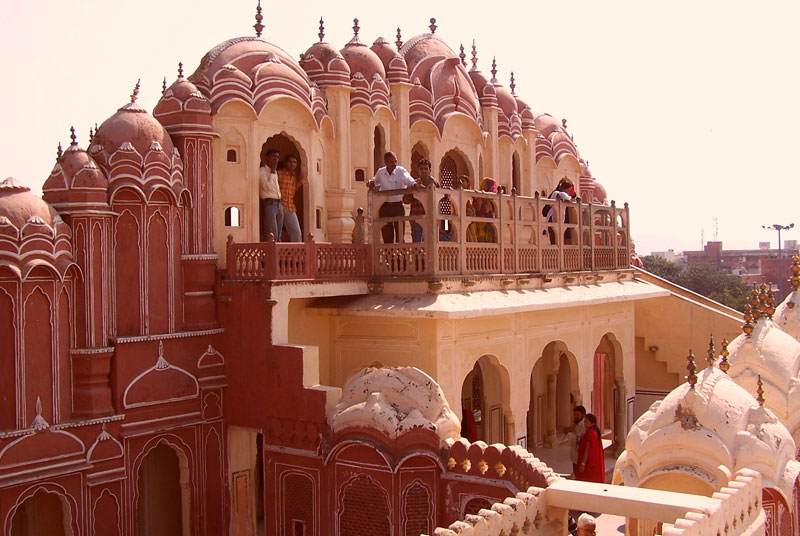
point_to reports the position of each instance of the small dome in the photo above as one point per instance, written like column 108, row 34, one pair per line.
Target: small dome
column 183, row 103
column 76, row 178
column 393, row 62
column 325, row 65
column 599, row 194
column 709, row 432
column 424, row 46
column 394, row 400
column 506, row 101
column 585, row 172
column 133, row 124
column 19, row 206
column 486, row 91
column 546, row 124
column 362, row 60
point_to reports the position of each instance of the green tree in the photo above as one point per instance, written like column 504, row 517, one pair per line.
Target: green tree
column 703, row 278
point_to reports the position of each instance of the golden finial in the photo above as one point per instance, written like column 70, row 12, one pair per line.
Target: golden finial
column 59, row 152
column 356, row 28
column 512, row 85
column 164, row 85
column 724, row 364
column 755, row 310
column 760, row 391
column 433, row 26
column 474, row 59
column 399, row 42
column 259, row 17
column 462, row 56
column 180, row 69
column 494, row 70
column 321, row 33
column 691, row 367
column 770, row 302
column 711, row 357
column 747, row 327
column 762, row 297
column 135, row 94
column 795, row 279
column 72, row 136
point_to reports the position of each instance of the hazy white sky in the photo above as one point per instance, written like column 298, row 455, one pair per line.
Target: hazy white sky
column 688, row 110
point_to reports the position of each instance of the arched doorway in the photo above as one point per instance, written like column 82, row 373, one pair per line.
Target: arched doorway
column 42, row 513
column 286, row 146
column 608, row 389
column 553, row 395
column 484, row 396
column 378, row 148
column 160, row 508
column 515, row 172
column 418, row 152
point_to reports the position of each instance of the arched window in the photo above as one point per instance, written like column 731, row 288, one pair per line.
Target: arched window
column 379, row 148
column 515, row 172
column 42, row 513
column 232, row 217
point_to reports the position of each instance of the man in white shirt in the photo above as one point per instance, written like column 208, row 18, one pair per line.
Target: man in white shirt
column 269, row 193
column 392, row 177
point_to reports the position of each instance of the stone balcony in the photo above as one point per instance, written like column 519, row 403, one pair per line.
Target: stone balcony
column 477, row 234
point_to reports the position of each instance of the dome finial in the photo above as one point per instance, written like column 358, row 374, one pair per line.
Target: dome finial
column 770, row 302
column 135, row 93
column 164, row 85
column 356, row 28
column 59, row 152
column 259, row 17
column 399, row 42
column 180, row 69
column 512, row 85
column 755, row 309
column 91, row 135
column 747, row 327
column 462, row 56
column 321, row 33
column 474, row 59
column 760, row 391
column 691, row 378
column 711, row 357
column 72, row 136
column 724, row 364
column 433, row 26
column 795, row 279
column 494, row 70
column 763, row 299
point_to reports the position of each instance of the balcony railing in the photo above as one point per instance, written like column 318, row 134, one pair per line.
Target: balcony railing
column 486, row 233
column 476, row 233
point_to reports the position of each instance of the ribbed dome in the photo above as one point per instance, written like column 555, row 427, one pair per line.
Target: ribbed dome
column 75, row 179
column 362, row 60
column 325, row 65
column 19, row 206
column 133, row 124
column 393, row 62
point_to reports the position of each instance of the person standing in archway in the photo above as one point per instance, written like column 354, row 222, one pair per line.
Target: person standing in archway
column 289, row 181
column 392, row 177
column 270, row 196
column 573, row 435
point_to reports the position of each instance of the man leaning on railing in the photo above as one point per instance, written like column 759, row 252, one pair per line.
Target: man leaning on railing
column 392, row 177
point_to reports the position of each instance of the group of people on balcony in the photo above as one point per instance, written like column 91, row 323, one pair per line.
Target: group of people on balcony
column 278, row 183
column 394, row 177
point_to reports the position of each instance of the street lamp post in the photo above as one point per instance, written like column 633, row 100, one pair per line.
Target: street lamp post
column 779, row 228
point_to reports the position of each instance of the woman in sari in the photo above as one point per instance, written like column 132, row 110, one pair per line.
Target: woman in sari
column 483, row 208
column 591, row 462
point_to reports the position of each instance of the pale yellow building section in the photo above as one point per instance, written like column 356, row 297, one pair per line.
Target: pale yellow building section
column 446, row 335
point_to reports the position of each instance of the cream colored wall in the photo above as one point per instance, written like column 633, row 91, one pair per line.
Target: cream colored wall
column 677, row 325
column 448, row 349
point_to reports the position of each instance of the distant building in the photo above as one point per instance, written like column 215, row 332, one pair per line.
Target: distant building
column 671, row 256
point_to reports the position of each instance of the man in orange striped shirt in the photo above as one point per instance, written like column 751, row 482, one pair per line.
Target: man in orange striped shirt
column 289, row 182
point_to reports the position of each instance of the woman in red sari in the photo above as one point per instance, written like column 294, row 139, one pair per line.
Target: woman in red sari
column 591, row 463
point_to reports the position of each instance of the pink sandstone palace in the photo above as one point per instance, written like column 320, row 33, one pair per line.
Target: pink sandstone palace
column 165, row 369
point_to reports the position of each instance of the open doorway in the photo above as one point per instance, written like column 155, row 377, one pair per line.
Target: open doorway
column 163, row 494
column 42, row 513
column 286, row 146
column 484, row 399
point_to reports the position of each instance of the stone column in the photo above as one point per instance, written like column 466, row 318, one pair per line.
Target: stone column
column 550, row 416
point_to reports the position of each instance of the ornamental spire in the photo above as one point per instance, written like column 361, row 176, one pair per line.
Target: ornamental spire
column 461, row 55
column 399, row 42
column 711, row 357
column 474, row 59
column 770, row 302
column 72, row 136
column 321, row 33
column 512, row 85
column 747, row 327
column 259, row 17
column 164, row 85
column 494, row 70
column 433, row 26
column 724, row 364
column 691, row 378
column 795, row 279
column 180, row 69
column 356, row 29
column 91, row 135
column 59, row 152
column 135, row 94
column 760, row 392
